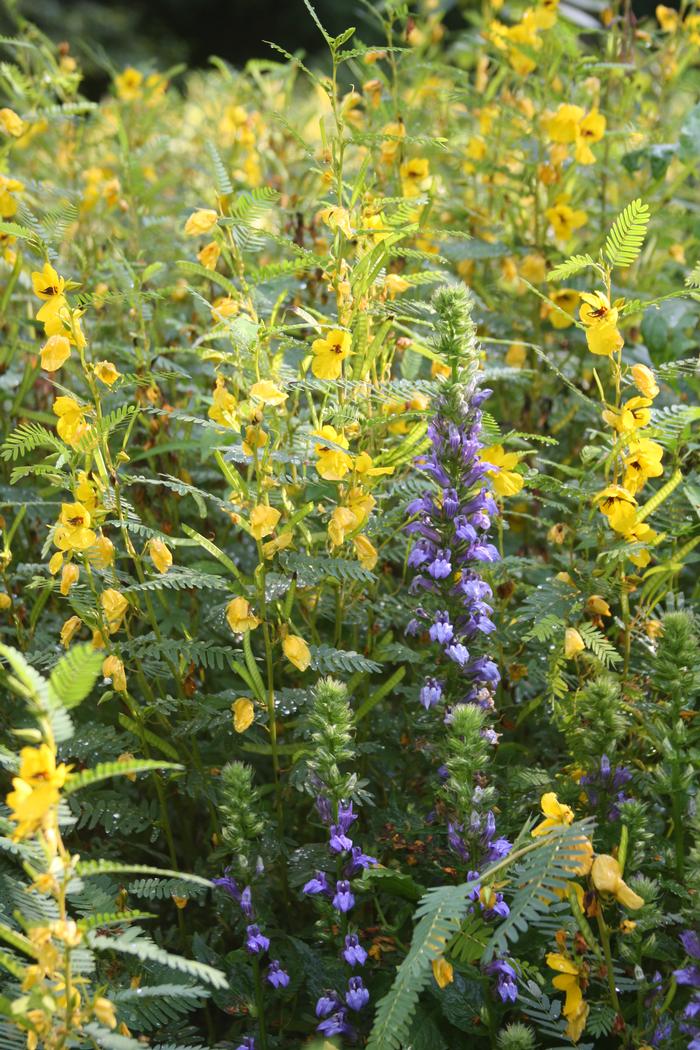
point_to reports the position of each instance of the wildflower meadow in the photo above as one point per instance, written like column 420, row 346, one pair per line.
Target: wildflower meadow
column 349, row 652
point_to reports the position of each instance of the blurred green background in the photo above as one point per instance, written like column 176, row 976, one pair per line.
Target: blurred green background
column 165, row 32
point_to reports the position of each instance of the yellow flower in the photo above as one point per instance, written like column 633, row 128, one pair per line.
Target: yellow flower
column 607, row 878
column 46, row 283
column 668, row 17
column 54, row 353
column 442, row 971
column 107, row 373
column 641, row 533
column 568, row 980
column 573, row 643
column 239, row 616
column 563, row 125
column 104, row 1012
column 364, row 465
column 590, row 130
column 11, row 123
column 642, row 461
column 69, row 629
column 604, row 340
column 633, row 415
column 329, row 353
column 366, row 552
column 415, row 176
column 71, row 426
column 102, row 553
column 516, row 356
column 36, row 789
column 114, row 606
column 337, row 219
column 73, row 532
column 128, row 84
column 506, row 481
column 394, row 284
column 297, row 651
column 160, row 554
column 566, row 299
column 5, row 601
column 200, row 222
column 555, row 813
column 343, row 520
column 267, row 393
column 333, row 463
column 224, row 407
column 565, row 220
column 263, row 521
column 224, row 307
column 112, row 667
column 69, row 577
column 645, row 381
column 255, row 438
column 243, row 714
column 619, row 506
column 208, row 256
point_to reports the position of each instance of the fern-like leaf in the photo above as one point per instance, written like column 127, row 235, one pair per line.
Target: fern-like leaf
column 569, row 267
column 625, row 240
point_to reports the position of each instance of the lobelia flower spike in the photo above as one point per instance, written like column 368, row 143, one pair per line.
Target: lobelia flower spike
column 450, row 522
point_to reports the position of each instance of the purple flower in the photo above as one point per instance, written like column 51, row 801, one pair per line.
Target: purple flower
column 459, row 653
column 430, row 693
column 506, row 984
column 343, row 899
column 441, row 566
column 691, row 942
column 337, row 1024
column 242, row 897
column 327, row 1003
column 357, row 995
column 256, row 942
column 247, row 1044
column 441, row 629
column 319, row 884
column 277, row 977
column 353, row 953
column 358, row 861
column 324, row 809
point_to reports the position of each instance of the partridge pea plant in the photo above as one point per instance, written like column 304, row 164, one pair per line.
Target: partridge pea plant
column 348, row 538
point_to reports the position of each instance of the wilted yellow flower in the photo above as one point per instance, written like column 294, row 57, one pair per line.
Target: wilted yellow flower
column 573, row 643
column 112, row 667
column 597, row 606
column 619, row 506
column 114, row 606
column 107, row 373
column 506, row 481
column 555, row 813
column 224, row 407
column 366, row 552
column 263, row 521
column 607, row 878
column 297, row 651
column 69, row 577
column 243, row 714
column 645, row 381
column 200, row 222
column 160, row 554
column 329, row 354
column 55, row 352
column 69, row 629
column 333, row 462
column 73, row 532
column 239, row 616
column 442, row 971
